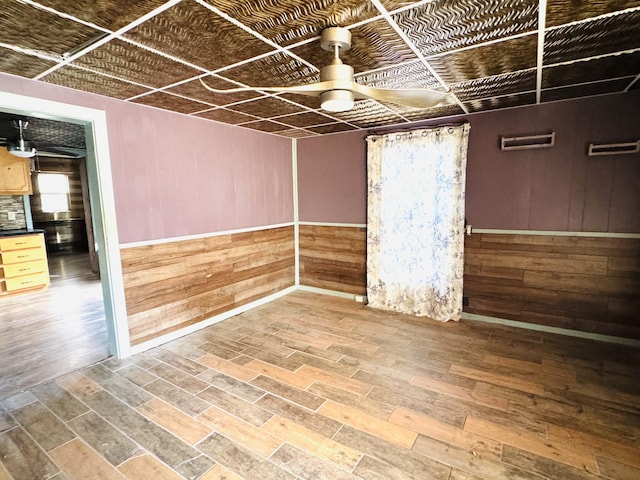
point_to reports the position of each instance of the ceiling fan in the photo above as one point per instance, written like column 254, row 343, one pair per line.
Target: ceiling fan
column 337, row 88
column 12, row 136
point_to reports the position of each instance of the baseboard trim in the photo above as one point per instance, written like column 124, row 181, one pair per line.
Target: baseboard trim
column 333, row 293
column 547, row 329
column 156, row 342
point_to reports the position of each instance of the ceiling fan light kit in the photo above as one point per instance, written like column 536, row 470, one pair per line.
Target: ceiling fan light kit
column 337, row 87
column 335, row 39
column 21, row 148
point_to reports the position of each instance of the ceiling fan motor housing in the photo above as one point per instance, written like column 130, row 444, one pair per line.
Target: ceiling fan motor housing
column 335, row 37
column 336, row 40
column 337, row 71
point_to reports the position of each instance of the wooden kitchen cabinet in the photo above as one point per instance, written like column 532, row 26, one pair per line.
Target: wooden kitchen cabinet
column 23, row 263
column 15, row 176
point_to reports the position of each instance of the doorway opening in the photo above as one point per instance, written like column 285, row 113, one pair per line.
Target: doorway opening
column 102, row 217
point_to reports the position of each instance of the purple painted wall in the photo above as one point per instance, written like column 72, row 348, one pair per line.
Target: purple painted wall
column 175, row 175
column 332, row 178
column 558, row 188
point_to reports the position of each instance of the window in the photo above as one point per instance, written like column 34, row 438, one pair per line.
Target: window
column 54, row 192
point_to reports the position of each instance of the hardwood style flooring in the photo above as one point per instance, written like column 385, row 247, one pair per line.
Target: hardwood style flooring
column 54, row 331
column 314, row 387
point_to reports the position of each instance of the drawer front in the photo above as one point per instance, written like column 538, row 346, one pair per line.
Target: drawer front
column 15, row 243
column 28, row 281
column 26, row 268
column 26, row 255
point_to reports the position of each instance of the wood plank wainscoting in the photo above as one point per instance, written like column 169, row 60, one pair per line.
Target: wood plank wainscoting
column 334, row 257
column 589, row 284
column 169, row 286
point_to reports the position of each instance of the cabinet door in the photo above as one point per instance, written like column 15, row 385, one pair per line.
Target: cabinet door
column 15, row 177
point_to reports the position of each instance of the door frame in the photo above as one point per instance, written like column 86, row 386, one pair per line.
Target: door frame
column 102, row 204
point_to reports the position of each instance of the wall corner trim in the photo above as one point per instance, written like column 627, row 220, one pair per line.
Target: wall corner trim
column 631, row 342
column 296, row 215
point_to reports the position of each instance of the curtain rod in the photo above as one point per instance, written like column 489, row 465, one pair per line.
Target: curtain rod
column 411, row 129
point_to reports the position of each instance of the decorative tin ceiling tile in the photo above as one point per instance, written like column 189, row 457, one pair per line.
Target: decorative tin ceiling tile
column 496, row 86
column 44, row 132
column 435, row 112
column 136, row 64
column 496, row 59
column 266, row 107
column 226, row 116
column 212, row 41
column 292, row 21
column 195, row 90
column 373, row 45
column 306, row 119
column 501, row 102
column 272, row 71
column 80, row 79
column 614, row 66
column 391, row 5
column 296, row 133
column 408, row 75
column 598, row 88
column 266, row 126
column 442, row 26
column 35, row 29
column 331, row 128
column 484, row 77
column 112, row 14
column 56, row 132
column 167, row 101
column 367, row 113
column 597, row 37
column 307, row 101
column 560, row 12
column 20, row 64
column 412, row 112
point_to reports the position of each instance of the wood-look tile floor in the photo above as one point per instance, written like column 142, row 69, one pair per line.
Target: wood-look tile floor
column 314, row 387
column 47, row 333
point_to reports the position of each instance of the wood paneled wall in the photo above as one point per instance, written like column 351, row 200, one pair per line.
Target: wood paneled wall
column 169, row 286
column 589, row 284
column 334, row 258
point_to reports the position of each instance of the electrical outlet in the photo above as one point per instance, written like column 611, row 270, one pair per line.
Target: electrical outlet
column 11, row 215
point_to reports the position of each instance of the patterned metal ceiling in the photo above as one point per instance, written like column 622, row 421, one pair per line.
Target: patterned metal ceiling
column 488, row 54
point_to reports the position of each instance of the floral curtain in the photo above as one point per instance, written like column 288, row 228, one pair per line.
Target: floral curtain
column 415, row 226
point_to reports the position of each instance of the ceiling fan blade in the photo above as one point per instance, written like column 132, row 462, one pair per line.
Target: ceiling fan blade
column 410, row 97
column 311, row 89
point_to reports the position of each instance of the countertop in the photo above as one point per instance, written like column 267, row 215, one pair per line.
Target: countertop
column 19, row 231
